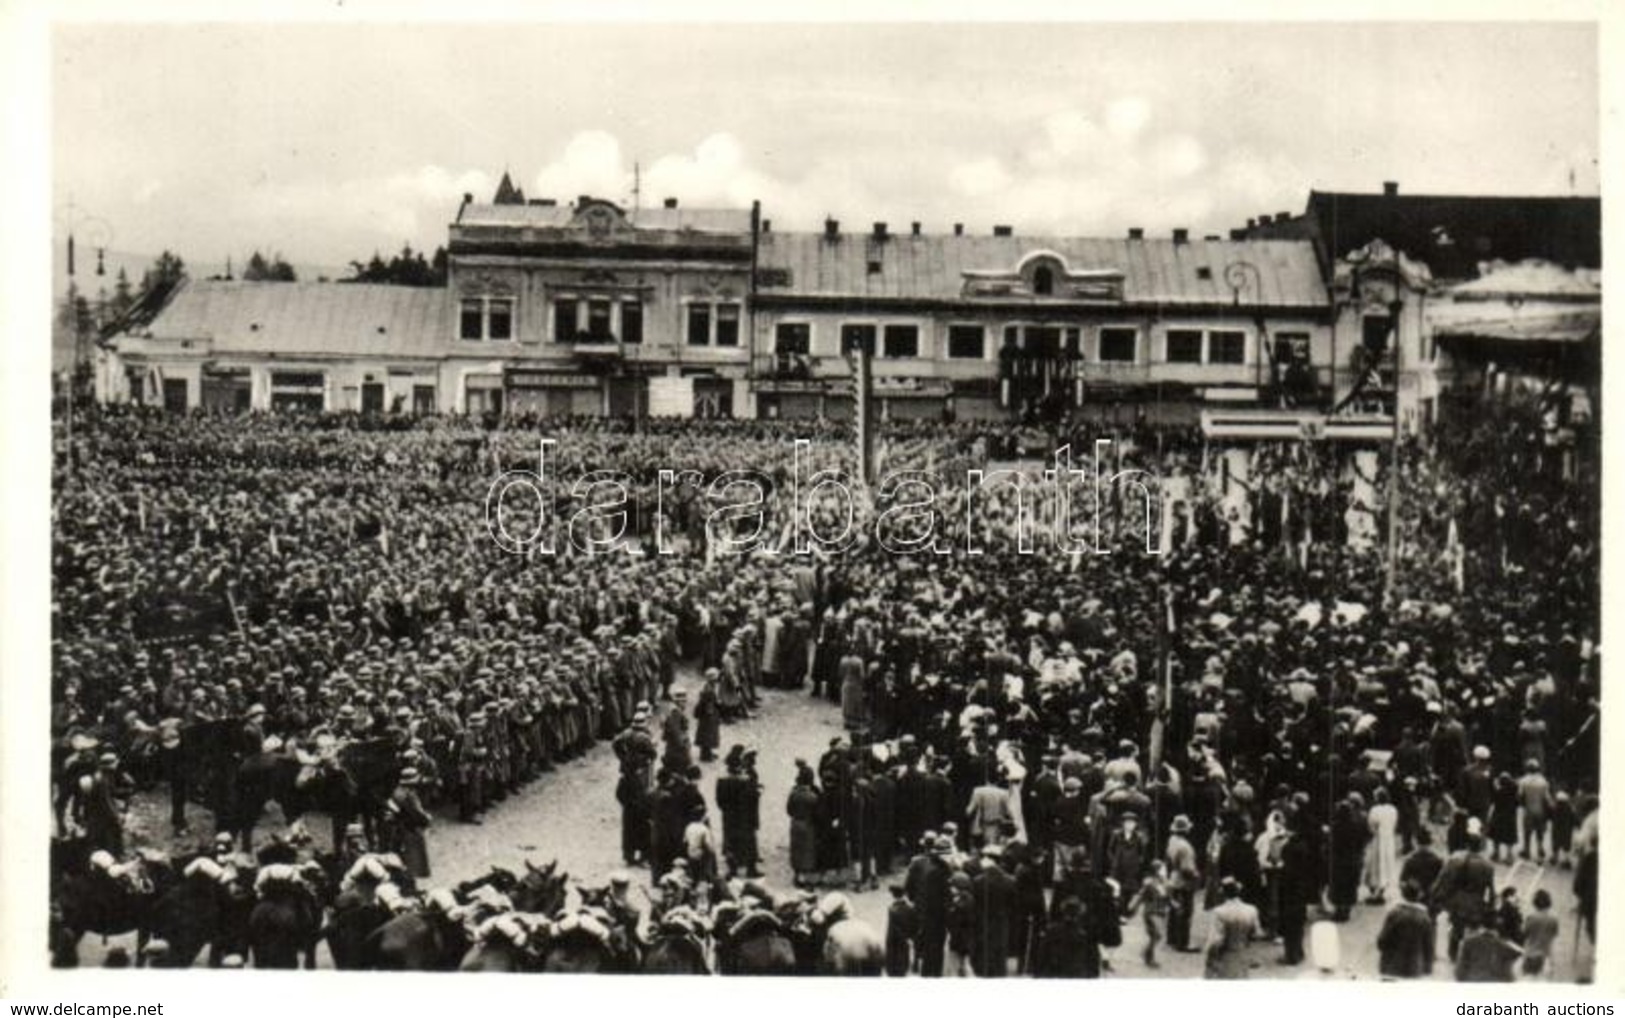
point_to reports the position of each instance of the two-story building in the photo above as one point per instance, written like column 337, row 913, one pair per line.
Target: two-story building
column 991, row 326
column 548, row 309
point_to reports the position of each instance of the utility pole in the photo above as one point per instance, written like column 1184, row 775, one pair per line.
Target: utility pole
column 863, row 383
column 1395, row 307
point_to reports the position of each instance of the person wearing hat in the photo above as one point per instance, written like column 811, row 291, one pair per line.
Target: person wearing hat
column 406, row 821
column 927, row 886
column 1235, row 926
column 1535, row 799
column 100, row 801
column 81, row 764
column 738, row 798
column 1465, row 890
column 679, row 751
column 708, row 718
column 472, row 763
column 1184, row 878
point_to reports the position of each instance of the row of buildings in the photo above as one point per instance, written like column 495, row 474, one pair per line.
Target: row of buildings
column 1363, row 304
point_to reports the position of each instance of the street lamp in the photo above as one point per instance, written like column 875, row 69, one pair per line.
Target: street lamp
column 1237, row 274
column 71, row 219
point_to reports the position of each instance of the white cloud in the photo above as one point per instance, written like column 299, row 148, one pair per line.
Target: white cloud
column 1128, row 116
column 590, row 164
column 980, row 178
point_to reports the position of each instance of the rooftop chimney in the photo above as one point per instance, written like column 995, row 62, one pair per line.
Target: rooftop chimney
column 1390, row 188
column 1181, row 235
column 959, row 229
column 670, row 203
column 832, row 229
column 880, row 231
column 1251, row 223
column 1264, row 220
column 1003, row 231
column 767, row 226
column 582, row 199
column 1281, row 217
column 1238, row 234
column 1212, row 236
column 914, row 228
column 1136, row 233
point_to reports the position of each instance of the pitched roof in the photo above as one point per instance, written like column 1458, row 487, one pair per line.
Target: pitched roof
column 1453, row 234
column 934, row 267
column 307, row 318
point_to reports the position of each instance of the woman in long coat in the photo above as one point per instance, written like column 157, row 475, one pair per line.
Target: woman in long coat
column 803, row 808
column 1346, row 858
column 1503, row 825
column 409, row 820
column 708, row 718
column 854, row 710
column 1382, row 854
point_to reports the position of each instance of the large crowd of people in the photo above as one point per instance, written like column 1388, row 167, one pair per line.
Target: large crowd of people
column 1248, row 718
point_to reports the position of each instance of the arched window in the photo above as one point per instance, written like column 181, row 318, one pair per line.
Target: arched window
column 1043, row 281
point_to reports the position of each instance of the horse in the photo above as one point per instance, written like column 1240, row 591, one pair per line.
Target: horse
column 581, row 950
column 283, row 926
column 89, row 902
column 675, row 953
column 852, row 948
column 188, row 917
column 757, row 945
column 357, row 784
column 543, row 889
column 425, row 940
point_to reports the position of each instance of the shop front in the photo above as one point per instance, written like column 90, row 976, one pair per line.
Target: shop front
column 226, row 389
column 541, row 393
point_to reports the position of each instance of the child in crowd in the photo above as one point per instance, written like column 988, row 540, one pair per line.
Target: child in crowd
column 1539, row 934
column 1152, row 900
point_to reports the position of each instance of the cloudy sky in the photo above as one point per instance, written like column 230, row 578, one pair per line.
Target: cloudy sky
column 327, row 142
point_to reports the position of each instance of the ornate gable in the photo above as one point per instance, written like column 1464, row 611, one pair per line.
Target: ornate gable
column 1044, row 276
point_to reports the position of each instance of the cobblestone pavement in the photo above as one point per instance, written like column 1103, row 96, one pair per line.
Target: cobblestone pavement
column 571, row 815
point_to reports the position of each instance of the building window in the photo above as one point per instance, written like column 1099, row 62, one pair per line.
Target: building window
column 1074, row 344
column 564, row 320
column 1043, row 281
column 967, row 342
column 901, row 341
column 631, row 321
column 499, row 319
column 1184, row 346
column 598, row 328
column 1043, row 341
column 472, row 320
column 727, row 325
column 1375, row 330
column 792, row 338
column 857, row 337
column 1117, row 346
column 699, row 324
column 1227, row 347
column 485, row 318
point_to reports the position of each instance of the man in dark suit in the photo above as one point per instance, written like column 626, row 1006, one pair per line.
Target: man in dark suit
column 1408, row 935
column 993, row 891
column 881, row 818
column 1466, row 890
column 936, row 798
column 927, row 886
column 1422, row 867
column 1296, row 884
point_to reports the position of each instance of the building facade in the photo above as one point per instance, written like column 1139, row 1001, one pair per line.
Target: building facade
column 591, row 309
